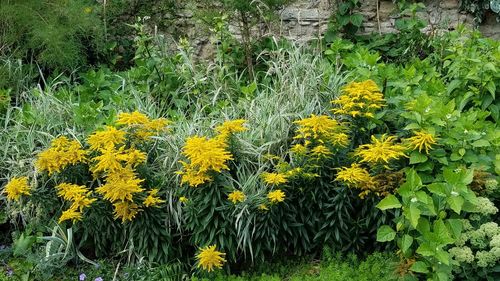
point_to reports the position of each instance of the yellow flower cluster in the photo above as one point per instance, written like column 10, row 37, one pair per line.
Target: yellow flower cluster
column 208, row 155
column 236, row 196
column 117, row 162
column 318, row 127
column 125, row 210
column 274, row 178
column 209, row 258
column 422, row 140
column 230, row 127
column 63, row 152
column 152, row 200
column 276, row 196
column 17, row 187
column 116, row 158
column 354, row 175
column 79, row 196
column 359, row 99
column 141, row 126
column 319, row 133
column 380, row 151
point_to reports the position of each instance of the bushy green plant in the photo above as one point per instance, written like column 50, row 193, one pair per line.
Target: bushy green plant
column 58, row 35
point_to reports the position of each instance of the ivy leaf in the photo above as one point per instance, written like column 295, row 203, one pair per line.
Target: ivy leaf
column 456, row 203
column 420, row 267
column 385, row 233
column 389, row 202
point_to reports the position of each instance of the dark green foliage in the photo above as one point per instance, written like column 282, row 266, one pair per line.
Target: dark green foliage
column 56, row 34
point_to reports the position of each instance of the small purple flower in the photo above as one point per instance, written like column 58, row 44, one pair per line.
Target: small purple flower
column 82, row 277
column 98, row 279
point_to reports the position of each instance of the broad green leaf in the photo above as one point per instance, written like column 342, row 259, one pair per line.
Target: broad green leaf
column 425, row 249
column 481, row 143
column 417, row 157
column 389, row 202
column 442, row 232
column 420, row 267
column 456, row 202
column 406, row 243
column 412, row 213
column 413, row 179
column 455, row 227
column 423, row 197
column 443, row 256
column 438, row 189
column 385, row 233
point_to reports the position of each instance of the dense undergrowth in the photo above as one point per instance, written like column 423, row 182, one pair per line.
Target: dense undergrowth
column 171, row 168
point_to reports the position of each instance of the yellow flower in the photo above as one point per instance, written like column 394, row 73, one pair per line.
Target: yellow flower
column 111, row 160
column 353, row 175
column 71, row 214
column 209, row 257
column 108, row 161
column 236, row 196
column 183, row 199
column 133, row 118
column 126, row 211
column 274, row 178
column 120, row 185
column 321, row 151
column 152, row 200
column 230, row 127
column 339, row 139
column 87, row 10
column 422, row 140
column 263, row 207
column 276, row 196
column 69, row 191
column 359, row 99
column 82, row 201
column 152, row 128
column 106, row 139
column 299, row 149
column 205, row 155
column 316, row 127
column 16, row 188
column 63, row 152
column 380, row 150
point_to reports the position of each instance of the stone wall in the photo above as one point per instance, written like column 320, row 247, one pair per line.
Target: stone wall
column 306, row 19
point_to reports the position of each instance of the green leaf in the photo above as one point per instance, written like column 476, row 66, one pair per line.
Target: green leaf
column 413, row 179
column 481, row 143
column 412, row 213
column 385, row 233
column 443, row 256
column 406, row 243
column 438, row 189
column 455, row 227
column 389, row 202
column 417, row 157
column 456, row 202
column 425, row 249
column 442, row 232
column 420, row 267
